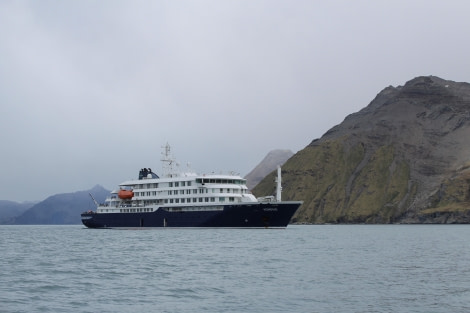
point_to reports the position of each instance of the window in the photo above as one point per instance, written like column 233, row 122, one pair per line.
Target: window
column 222, row 199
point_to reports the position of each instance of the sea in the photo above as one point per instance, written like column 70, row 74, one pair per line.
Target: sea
column 303, row 268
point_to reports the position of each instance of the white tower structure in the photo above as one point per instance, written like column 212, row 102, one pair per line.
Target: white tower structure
column 278, row 185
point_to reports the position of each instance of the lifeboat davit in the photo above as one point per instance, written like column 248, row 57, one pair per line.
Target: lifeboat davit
column 125, row 194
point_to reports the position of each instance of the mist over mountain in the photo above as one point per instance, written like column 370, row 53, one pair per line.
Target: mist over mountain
column 267, row 165
column 405, row 158
column 62, row 208
column 10, row 209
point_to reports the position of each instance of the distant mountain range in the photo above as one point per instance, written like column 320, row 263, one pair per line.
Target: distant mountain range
column 58, row 209
column 266, row 166
column 9, row 210
column 405, row 158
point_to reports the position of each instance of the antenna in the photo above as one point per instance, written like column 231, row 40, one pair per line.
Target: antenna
column 167, row 161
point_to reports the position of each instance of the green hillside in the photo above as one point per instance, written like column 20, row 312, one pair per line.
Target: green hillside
column 402, row 159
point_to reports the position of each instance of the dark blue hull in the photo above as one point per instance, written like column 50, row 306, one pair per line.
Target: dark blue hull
column 250, row 215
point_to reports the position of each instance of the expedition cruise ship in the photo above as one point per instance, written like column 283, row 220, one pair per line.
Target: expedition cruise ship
column 186, row 199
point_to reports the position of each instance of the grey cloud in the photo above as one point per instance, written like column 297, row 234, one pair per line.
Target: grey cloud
column 89, row 90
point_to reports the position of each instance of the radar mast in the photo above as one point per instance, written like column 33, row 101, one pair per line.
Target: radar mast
column 168, row 162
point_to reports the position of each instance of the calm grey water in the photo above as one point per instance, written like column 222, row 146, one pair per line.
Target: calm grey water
column 387, row 268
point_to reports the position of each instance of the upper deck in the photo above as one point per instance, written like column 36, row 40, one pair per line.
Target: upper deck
column 178, row 189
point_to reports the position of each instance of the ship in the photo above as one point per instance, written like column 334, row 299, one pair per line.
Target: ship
column 187, row 199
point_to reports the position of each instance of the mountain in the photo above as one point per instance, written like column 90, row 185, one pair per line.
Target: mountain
column 9, row 210
column 405, row 158
column 62, row 208
column 266, row 166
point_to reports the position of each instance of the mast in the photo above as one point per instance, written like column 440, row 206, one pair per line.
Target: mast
column 278, row 184
column 167, row 161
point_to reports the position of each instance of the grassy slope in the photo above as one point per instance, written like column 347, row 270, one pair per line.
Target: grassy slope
column 341, row 184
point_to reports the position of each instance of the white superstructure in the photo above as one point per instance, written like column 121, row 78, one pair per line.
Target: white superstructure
column 184, row 191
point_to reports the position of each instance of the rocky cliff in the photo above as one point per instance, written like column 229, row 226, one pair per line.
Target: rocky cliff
column 405, row 158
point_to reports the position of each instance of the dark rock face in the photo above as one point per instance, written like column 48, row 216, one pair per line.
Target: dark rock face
column 403, row 158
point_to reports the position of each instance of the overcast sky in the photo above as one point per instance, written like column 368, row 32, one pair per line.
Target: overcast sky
column 91, row 90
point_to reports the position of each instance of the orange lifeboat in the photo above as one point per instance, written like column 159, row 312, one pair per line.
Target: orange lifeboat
column 125, row 194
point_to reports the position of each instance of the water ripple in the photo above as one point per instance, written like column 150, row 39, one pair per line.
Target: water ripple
column 392, row 268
